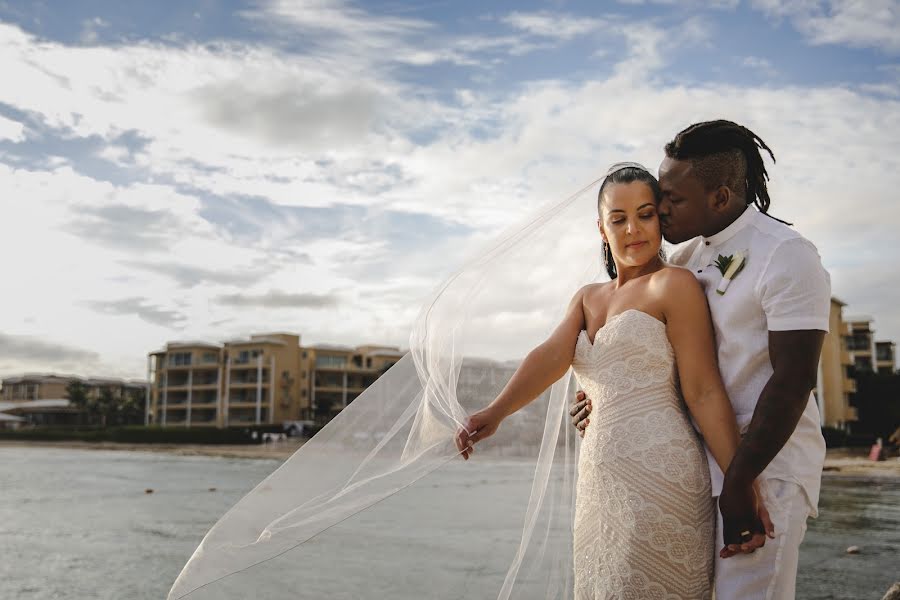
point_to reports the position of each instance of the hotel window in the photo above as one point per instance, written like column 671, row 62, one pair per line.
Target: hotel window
column 331, row 361
column 246, row 356
column 210, row 357
column 178, row 359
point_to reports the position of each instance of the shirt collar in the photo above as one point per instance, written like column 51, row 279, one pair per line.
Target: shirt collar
column 729, row 232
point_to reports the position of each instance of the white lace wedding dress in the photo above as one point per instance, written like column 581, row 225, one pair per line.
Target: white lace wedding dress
column 644, row 518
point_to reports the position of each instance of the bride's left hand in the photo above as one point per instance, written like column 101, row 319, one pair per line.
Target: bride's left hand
column 477, row 427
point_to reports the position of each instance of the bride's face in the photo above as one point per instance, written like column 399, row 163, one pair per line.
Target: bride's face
column 629, row 223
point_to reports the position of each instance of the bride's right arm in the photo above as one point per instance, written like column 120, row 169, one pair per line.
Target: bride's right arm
column 540, row 369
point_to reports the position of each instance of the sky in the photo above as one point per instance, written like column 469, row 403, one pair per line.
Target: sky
column 201, row 170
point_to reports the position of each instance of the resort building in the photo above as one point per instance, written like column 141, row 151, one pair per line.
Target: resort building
column 835, row 385
column 266, row 379
column 42, row 399
column 862, row 343
column 338, row 374
column 885, row 361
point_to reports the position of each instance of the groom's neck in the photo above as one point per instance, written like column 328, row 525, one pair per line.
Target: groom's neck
column 726, row 219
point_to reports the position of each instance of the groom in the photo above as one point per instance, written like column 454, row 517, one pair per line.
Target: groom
column 770, row 313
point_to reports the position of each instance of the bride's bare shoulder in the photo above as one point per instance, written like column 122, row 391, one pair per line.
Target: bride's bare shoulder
column 676, row 281
column 595, row 290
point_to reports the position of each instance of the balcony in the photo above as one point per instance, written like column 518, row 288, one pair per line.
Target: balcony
column 851, row 414
column 329, row 388
column 205, row 386
column 177, row 367
column 849, row 386
column 247, row 366
column 846, row 359
column 201, row 405
column 247, row 384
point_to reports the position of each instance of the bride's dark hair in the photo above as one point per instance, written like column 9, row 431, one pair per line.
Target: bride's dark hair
column 626, row 175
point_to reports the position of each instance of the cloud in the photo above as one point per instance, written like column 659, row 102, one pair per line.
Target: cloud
column 187, row 275
column 89, row 30
column 364, row 43
column 23, row 348
column 759, row 64
column 11, row 130
column 713, row 4
column 140, row 307
column 872, row 24
column 336, row 17
column 274, row 299
column 305, row 115
column 554, row 25
column 122, row 226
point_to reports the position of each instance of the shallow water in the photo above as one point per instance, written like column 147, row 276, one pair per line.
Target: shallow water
column 77, row 524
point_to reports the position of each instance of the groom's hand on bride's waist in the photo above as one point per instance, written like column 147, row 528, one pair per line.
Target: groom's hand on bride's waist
column 579, row 411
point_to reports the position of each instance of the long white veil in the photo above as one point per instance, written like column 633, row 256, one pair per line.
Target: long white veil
column 379, row 504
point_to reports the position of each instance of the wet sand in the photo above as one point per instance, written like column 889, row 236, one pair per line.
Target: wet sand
column 274, row 450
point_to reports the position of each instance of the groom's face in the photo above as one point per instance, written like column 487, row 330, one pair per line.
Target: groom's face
column 685, row 210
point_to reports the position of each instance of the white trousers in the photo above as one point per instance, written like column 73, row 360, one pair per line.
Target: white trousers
column 770, row 573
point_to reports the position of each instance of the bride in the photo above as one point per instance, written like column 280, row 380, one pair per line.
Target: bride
column 644, row 523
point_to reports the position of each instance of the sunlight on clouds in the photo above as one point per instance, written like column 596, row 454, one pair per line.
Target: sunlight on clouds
column 553, row 25
column 874, row 23
column 268, row 185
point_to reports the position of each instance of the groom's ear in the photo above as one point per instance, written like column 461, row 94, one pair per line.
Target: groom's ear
column 721, row 198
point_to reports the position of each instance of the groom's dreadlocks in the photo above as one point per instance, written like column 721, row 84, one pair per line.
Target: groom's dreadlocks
column 725, row 153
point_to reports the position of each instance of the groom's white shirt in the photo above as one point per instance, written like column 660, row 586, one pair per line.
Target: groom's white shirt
column 782, row 287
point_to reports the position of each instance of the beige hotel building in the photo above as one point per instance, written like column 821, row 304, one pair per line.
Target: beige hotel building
column 266, row 379
column 835, row 386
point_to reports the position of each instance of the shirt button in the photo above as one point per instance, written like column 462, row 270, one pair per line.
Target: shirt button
column 707, row 243
column 699, row 270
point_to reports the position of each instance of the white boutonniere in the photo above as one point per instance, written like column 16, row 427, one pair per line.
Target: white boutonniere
column 729, row 266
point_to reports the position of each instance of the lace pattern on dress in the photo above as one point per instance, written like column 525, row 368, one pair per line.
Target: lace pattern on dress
column 644, row 517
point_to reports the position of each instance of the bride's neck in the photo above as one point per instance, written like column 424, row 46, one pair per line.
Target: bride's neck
column 626, row 274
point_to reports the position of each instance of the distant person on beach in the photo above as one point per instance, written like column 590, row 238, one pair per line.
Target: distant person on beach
column 770, row 320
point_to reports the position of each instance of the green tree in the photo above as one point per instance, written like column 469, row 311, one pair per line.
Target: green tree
column 105, row 405
column 77, row 394
column 130, row 408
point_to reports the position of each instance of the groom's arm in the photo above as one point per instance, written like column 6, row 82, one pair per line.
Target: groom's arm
column 795, row 292
column 795, row 360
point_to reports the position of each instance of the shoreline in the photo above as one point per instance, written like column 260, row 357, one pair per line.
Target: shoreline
column 839, row 462
column 270, row 451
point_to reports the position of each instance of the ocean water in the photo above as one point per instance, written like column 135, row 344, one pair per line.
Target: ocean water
column 77, row 524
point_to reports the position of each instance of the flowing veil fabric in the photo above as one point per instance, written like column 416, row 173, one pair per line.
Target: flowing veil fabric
column 380, row 504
